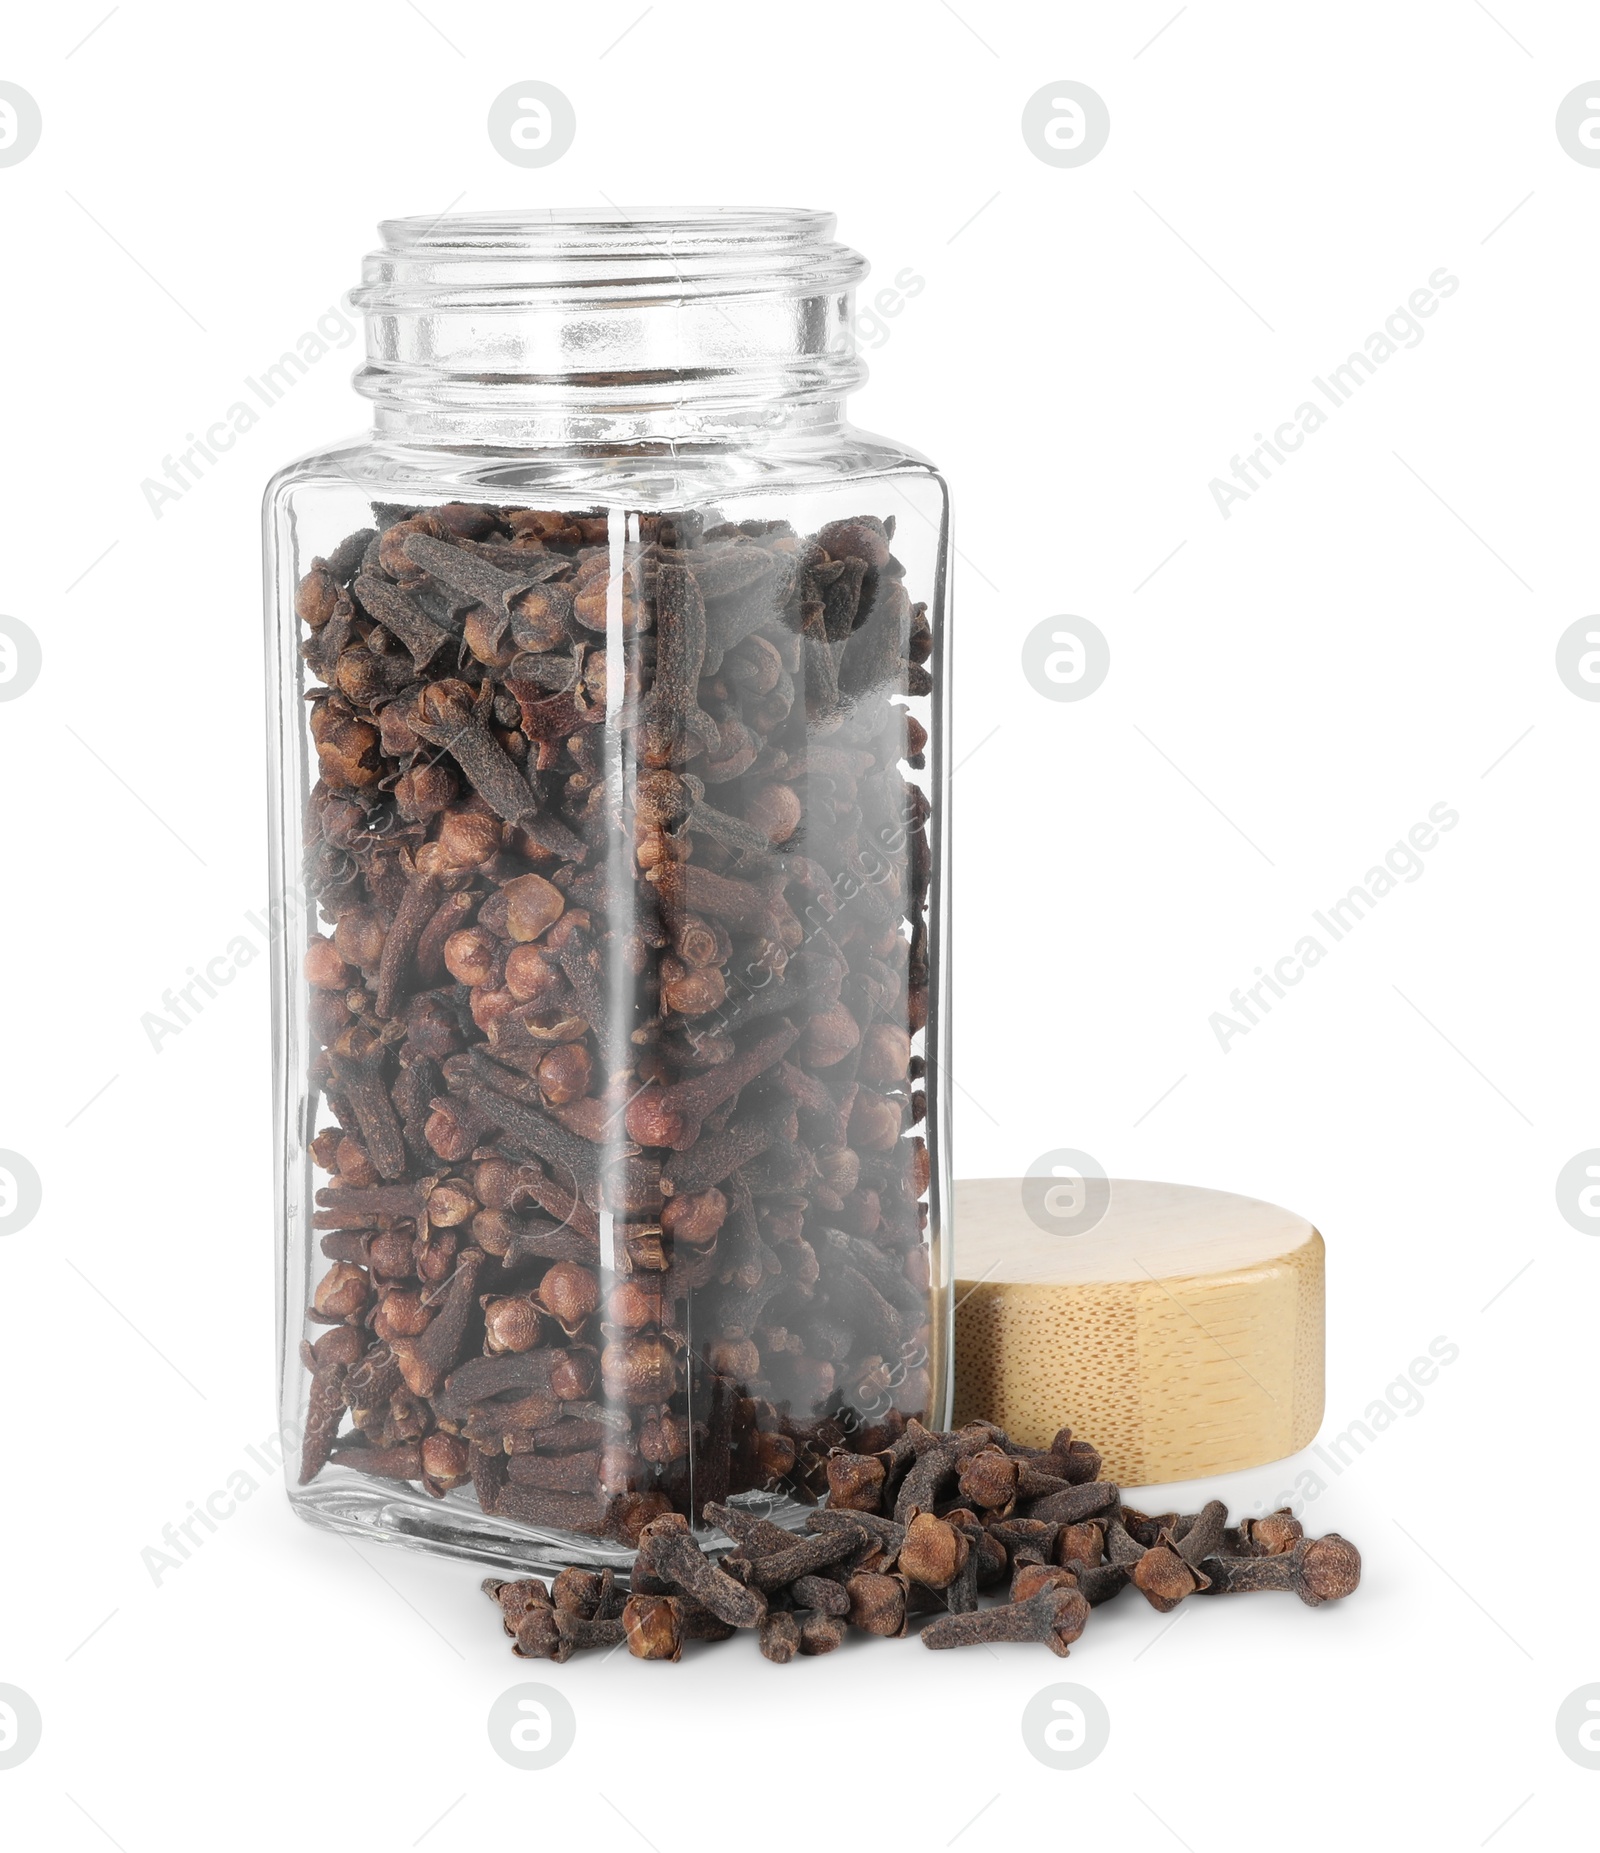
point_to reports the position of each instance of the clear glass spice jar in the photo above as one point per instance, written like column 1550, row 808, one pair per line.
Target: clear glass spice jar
column 607, row 688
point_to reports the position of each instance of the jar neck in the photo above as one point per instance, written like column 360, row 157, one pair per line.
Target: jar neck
column 680, row 329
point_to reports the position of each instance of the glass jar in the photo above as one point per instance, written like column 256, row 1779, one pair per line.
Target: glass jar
column 607, row 741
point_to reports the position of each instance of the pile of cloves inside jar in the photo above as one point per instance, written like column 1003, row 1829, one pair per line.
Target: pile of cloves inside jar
column 921, row 1529
column 622, row 844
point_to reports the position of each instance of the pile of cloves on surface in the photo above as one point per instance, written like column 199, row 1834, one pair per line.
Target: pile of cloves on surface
column 619, row 838
column 921, row 1529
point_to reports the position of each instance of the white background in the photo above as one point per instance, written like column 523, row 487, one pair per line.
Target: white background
column 1373, row 632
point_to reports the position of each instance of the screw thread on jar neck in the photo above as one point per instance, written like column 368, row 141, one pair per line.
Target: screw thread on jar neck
column 592, row 329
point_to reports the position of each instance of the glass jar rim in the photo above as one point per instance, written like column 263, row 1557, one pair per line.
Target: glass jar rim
column 506, row 259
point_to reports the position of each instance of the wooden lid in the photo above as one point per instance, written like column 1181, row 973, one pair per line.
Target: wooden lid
column 1181, row 1331
column 1164, row 1230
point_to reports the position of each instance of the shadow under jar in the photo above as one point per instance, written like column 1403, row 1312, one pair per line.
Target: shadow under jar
column 607, row 729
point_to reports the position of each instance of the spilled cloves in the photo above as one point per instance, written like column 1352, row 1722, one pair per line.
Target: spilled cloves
column 858, row 1570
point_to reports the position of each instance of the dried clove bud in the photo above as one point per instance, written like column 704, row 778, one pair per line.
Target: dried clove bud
column 780, row 1636
column 821, row 1594
column 1317, row 1570
column 653, row 1627
column 1171, row 1570
column 989, row 1480
column 1076, row 1503
column 855, row 1482
column 877, row 1603
column 819, row 1633
column 586, row 1631
column 934, row 1552
column 778, row 1569
column 1056, row 1616
column 1263, row 1537
column 669, row 1552
column 1030, row 1578
column 529, row 1618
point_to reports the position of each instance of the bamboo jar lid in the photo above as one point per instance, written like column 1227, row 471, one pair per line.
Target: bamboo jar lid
column 1182, row 1333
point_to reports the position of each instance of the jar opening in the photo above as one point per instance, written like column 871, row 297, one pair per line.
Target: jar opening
column 591, row 324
